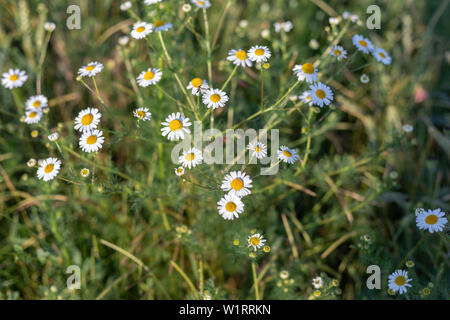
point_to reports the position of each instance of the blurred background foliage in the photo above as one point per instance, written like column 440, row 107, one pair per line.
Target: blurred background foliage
column 365, row 176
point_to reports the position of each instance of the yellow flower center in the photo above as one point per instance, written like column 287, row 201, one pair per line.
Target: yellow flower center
column 158, row 23
column 254, row 241
column 179, row 170
column 84, row 172
column 320, row 93
column 87, row 119
column 149, row 75
column 36, row 104
column 287, row 153
column 189, row 157
column 90, row 68
column 382, row 55
column 196, row 82
column 32, row 115
column 140, row 29
column 141, row 114
column 258, row 149
column 215, row 98
column 363, row 43
column 431, row 219
column 200, row 2
column 259, row 52
column 400, row 280
column 48, row 168
column 91, row 139
column 230, row 206
column 337, row 52
column 175, row 125
column 308, row 68
column 13, row 77
column 237, row 184
column 242, row 55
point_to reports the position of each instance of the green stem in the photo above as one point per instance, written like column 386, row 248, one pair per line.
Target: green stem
column 255, row 281
column 229, row 78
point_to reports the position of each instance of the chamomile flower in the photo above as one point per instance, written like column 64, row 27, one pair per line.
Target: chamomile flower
column 305, row 72
column 149, row 76
column 287, row 155
column 362, row 44
column 382, row 56
column 91, row 69
column 179, row 171
column 87, row 119
column 286, row 26
column 186, row 7
column 339, row 52
column 258, row 149
column 53, row 136
column 204, row 4
column 33, row 116
column 230, row 207
column 191, row 158
column 256, row 241
column 14, row 78
column 36, row 102
column 306, row 98
column 431, row 220
column 31, row 163
column 321, row 94
column 141, row 30
column 49, row 26
column 48, row 169
column 364, row 78
column 176, row 126
column 237, row 183
column 214, row 98
column 84, row 172
column 125, row 6
column 197, row 86
column 149, row 2
column 160, row 25
column 239, row 57
column 317, row 282
column 398, row 281
column 143, row 114
column 91, row 141
column 259, row 54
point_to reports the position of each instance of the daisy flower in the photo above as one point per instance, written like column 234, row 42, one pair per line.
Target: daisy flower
column 91, row 141
column 431, row 220
column 175, row 126
column 305, row 72
column 53, row 136
column 125, row 6
column 143, row 114
column 197, row 86
column 362, row 44
column 191, row 158
column 48, row 169
column 259, row 54
column 239, row 57
column 84, row 172
column 214, row 98
column 339, row 52
column 141, row 30
column 204, row 4
column 160, row 25
column 186, row 7
column 364, row 78
column 321, row 94
column 87, row 119
column 149, row 2
column 49, row 26
column 398, row 281
column 148, row 77
column 256, row 241
column 287, row 155
column 317, row 282
column 230, row 207
column 179, row 171
column 31, row 163
column 33, row 116
column 286, row 26
column 237, row 183
column 306, row 98
column 259, row 150
column 14, row 78
column 382, row 56
column 36, row 102
column 91, row 69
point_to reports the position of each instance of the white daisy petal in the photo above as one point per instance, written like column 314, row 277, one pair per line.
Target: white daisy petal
column 305, row 72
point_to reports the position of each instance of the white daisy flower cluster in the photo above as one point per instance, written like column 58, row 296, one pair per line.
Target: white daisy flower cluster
column 35, row 106
column 238, row 185
column 86, row 122
column 365, row 46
